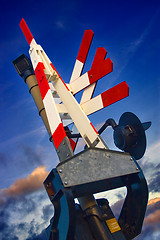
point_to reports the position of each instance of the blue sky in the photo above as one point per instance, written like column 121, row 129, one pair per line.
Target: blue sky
column 129, row 31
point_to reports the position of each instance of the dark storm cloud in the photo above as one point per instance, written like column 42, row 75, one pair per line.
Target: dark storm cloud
column 20, row 206
column 154, row 178
column 151, row 223
column 32, row 155
column 147, row 165
column 7, row 230
column 25, row 205
column 154, row 185
column 33, row 227
column 3, row 226
column 154, row 182
column 9, row 237
column 3, row 213
column 48, row 212
column 146, row 234
column 41, row 236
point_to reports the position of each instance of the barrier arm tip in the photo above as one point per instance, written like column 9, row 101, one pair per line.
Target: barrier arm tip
column 27, row 33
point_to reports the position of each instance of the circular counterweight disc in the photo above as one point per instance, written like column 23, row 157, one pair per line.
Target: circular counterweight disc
column 138, row 150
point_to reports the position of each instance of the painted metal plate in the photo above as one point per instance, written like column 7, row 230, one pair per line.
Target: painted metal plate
column 95, row 164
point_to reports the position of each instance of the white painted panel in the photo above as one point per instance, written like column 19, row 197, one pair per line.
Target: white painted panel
column 80, row 83
column 61, row 108
column 51, row 111
column 76, row 70
column 92, row 105
column 33, row 43
column 35, row 58
column 87, row 93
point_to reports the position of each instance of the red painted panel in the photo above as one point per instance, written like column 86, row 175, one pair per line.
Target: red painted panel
column 115, row 94
column 73, row 143
column 58, row 135
column 100, row 66
column 41, row 79
column 85, row 45
column 26, row 31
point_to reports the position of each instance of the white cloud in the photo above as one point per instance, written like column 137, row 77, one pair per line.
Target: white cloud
column 153, row 152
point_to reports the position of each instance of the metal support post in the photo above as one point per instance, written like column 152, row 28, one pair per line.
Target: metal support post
column 98, row 228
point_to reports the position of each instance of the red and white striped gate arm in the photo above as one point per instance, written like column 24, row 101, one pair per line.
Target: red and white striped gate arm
column 79, row 64
column 43, row 67
column 40, row 66
column 106, row 98
column 101, row 101
column 100, row 67
column 83, row 124
column 82, row 54
column 78, row 67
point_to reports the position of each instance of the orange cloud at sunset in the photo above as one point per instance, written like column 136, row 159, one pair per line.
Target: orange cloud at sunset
column 153, row 216
column 29, row 184
column 153, row 201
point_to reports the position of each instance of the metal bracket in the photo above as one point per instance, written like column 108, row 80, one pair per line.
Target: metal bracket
column 64, row 206
column 93, row 165
column 134, row 208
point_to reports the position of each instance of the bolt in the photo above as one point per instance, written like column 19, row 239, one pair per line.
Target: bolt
column 91, row 76
column 60, row 170
column 137, row 168
column 65, row 182
column 48, row 184
column 131, row 159
column 67, row 154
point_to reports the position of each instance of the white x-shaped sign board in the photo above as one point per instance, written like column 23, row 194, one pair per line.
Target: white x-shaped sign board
column 46, row 74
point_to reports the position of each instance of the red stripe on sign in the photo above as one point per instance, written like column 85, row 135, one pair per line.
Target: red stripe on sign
column 85, row 45
column 58, row 135
column 93, row 127
column 26, row 31
column 59, row 76
column 100, row 66
column 73, row 143
column 115, row 94
column 41, row 79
